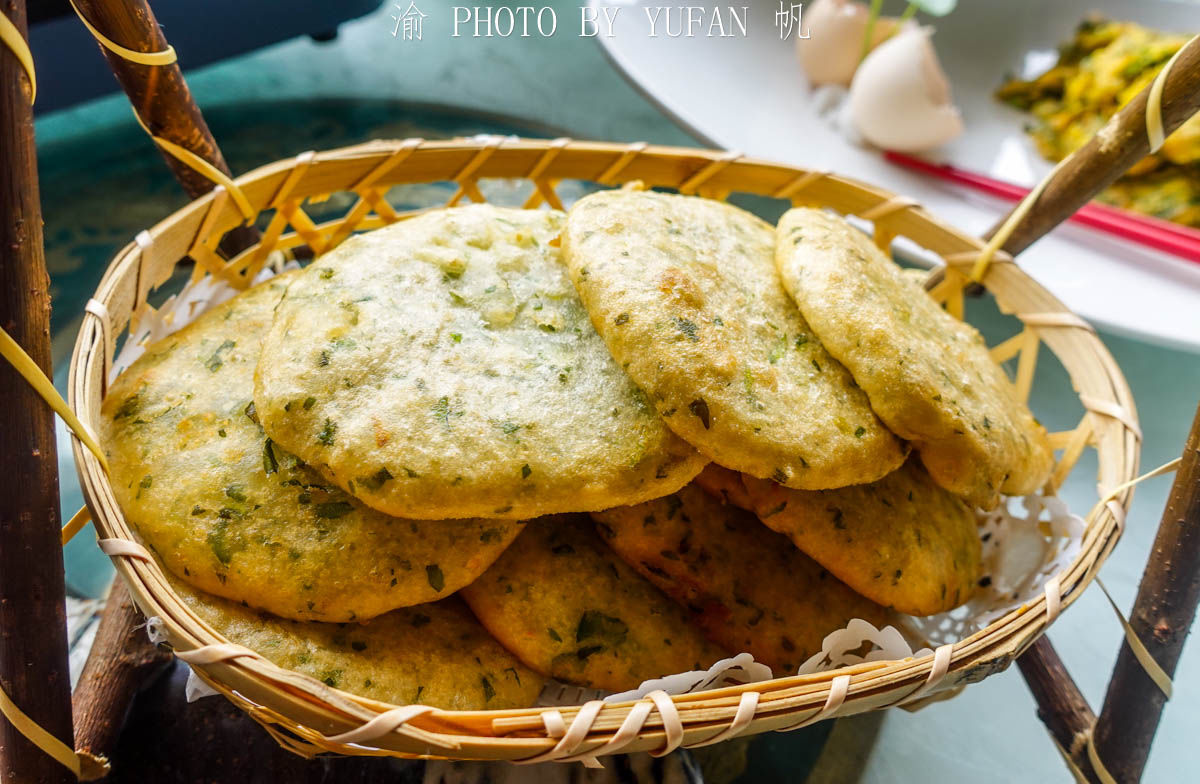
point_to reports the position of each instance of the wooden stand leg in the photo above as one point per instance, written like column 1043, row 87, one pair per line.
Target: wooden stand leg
column 127, row 664
column 33, row 625
column 1061, row 706
column 160, row 96
column 122, row 660
column 1162, row 615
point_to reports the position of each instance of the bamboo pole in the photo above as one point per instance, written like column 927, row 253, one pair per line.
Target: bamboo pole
column 1162, row 616
column 160, row 96
column 33, row 625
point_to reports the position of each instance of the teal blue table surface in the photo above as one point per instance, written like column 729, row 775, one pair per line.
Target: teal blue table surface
column 102, row 181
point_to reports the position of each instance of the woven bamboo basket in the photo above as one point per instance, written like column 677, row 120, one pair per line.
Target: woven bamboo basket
column 309, row 718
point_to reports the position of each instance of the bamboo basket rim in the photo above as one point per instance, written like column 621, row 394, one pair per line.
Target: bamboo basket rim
column 306, row 716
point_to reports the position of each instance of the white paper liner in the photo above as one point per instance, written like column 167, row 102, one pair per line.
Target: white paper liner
column 1026, row 541
column 733, row 671
column 195, row 688
column 845, row 647
column 183, row 308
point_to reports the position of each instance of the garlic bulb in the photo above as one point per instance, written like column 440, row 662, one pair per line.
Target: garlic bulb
column 837, row 29
column 900, row 97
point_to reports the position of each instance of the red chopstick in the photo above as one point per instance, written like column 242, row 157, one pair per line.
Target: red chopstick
column 1173, row 238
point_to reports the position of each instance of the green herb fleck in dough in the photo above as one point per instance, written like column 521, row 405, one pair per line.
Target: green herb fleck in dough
column 327, row 432
column 596, row 625
column 443, row 413
column 218, row 541
column 526, row 471
column 147, row 480
column 699, row 407
column 217, row 359
column 270, row 462
column 858, row 431
column 236, row 492
column 687, row 327
column 777, row 350
column 775, row 510
column 621, row 319
column 488, row 691
column 128, row 408
column 332, row 510
column 436, row 580
column 456, row 337
column 309, row 402
column 554, row 635
column 376, row 480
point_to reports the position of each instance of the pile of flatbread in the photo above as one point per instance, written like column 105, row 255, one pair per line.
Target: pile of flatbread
column 483, row 447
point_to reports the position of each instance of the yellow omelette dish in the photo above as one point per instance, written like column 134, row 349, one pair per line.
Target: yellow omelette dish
column 1105, row 65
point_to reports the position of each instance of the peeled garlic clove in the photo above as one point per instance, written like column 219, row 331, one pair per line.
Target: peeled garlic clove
column 836, row 29
column 900, row 97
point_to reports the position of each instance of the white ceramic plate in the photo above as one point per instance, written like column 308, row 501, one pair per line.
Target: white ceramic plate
column 749, row 94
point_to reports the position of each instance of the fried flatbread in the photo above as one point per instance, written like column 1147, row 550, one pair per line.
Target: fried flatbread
column 903, row 542
column 685, row 293
column 571, row 610
column 432, row 654
column 928, row 375
column 234, row 514
column 444, row 367
column 747, row 587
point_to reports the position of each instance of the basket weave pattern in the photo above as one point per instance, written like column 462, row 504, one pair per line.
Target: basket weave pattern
column 308, row 717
